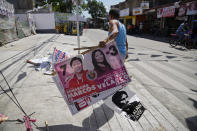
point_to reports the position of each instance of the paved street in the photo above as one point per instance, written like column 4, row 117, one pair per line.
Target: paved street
column 164, row 78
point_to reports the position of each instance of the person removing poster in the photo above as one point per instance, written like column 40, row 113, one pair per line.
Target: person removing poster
column 92, row 77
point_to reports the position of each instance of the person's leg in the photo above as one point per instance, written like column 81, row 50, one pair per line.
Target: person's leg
column 182, row 36
column 195, row 41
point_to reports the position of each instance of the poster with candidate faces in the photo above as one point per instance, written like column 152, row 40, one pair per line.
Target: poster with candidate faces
column 86, row 79
column 126, row 103
column 83, row 102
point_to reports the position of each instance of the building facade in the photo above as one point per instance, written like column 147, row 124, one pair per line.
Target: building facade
column 157, row 16
column 22, row 6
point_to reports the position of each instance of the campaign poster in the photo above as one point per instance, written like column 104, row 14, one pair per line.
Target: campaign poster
column 96, row 75
column 83, row 102
column 126, row 103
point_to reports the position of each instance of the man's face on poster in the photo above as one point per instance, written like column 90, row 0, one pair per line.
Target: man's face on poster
column 113, row 51
column 77, row 66
column 123, row 99
column 99, row 56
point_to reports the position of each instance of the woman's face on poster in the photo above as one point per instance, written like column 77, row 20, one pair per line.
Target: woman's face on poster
column 77, row 66
column 99, row 56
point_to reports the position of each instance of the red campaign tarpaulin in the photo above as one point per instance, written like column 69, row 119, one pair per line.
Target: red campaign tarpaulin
column 84, row 80
column 166, row 12
column 192, row 8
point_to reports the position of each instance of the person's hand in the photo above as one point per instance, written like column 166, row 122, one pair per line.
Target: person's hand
column 3, row 118
column 102, row 44
column 127, row 56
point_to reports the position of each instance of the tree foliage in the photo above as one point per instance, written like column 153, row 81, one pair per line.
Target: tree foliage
column 62, row 6
column 65, row 6
column 95, row 8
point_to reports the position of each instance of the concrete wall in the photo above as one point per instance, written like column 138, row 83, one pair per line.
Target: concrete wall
column 7, row 30
column 22, row 25
column 45, row 21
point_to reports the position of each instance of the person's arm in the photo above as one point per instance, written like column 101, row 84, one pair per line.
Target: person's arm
column 113, row 25
column 127, row 48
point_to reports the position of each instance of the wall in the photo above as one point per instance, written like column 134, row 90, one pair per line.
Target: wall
column 22, row 25
column 7, row 30
column 45, row 21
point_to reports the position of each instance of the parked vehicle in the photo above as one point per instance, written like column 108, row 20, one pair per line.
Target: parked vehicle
column 106, row 26
column 187, row 43
column 74, row 30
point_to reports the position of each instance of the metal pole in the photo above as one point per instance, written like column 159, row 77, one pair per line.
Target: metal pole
column 78, row 37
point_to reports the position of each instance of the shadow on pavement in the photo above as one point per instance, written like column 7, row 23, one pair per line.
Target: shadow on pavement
column 21, row 76
column 192, row 121
column 130, row 53
column 196, row 74
column 152, row 37
column 64, row 43
column 66, row 127
column 180, row 48
column 155, row 55
column 134, row 59
column 187, row 57
column 194, row 103
column 97, row 120
column 141, row 54
column 193, row 90
column 171, row 57
column 91, row 123
column 6, row 91
column 167, row 52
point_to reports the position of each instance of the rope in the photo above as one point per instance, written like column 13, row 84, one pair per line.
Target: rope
column 15, row 100
column 11, row 98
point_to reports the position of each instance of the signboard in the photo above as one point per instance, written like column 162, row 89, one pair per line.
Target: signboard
column 124, row 12
column 192, row 8
column 166, row 12
column 144, row 5
column 137, row 11
column 182, row 10
column 84, row 80
column 61, row 18
column 6, row 8
column 159, row 12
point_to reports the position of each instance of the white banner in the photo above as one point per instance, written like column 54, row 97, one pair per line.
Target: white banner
column 182, row 10
column 192, row 8
column 124, row 12
column 144, row 5
column 137, row 11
